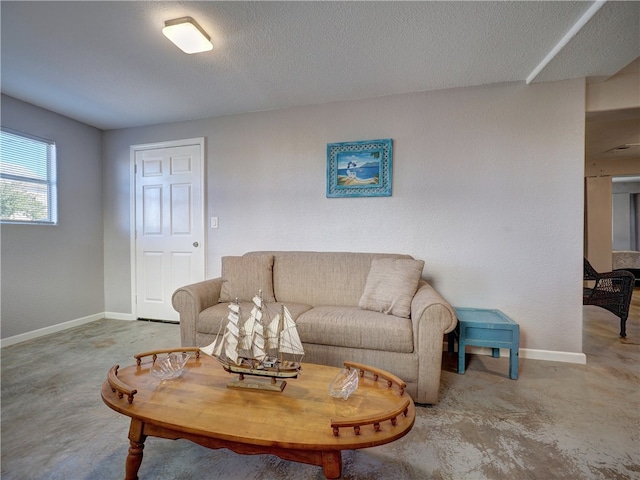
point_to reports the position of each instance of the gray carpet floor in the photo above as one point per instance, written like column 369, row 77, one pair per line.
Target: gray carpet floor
column 557, row 421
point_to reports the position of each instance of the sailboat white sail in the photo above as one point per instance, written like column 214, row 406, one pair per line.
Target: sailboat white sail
column 246, row 337
column 257, row 338
column 289, row 339
column 273, row 337
column 257, row 348
column 227, row 343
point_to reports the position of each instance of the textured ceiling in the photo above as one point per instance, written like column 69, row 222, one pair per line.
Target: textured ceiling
column 107, row 63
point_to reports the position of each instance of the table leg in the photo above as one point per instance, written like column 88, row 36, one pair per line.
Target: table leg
column 332, row 464
column 462, row 348
column 513, row 363
column 136, row 446
column 134, row 460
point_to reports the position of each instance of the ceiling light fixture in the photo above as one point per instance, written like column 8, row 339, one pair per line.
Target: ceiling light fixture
column 187, row 35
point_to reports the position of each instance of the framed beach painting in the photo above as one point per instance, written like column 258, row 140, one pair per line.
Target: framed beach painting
column 359, row 169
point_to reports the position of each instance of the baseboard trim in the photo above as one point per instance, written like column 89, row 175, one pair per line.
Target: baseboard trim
column 533, row 354
column 553, row 356
column 41, row 332
column 120, row 316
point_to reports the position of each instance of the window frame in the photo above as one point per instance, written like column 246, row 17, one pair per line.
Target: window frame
column 50, row 182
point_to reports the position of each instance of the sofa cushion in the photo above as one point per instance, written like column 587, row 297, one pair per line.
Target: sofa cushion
column 391, row 285
column 355, row 328
column 243, row 277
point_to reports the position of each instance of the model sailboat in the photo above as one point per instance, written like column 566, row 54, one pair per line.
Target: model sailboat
column 258, row 345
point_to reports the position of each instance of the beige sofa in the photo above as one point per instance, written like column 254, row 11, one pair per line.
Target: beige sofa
column 363, row 307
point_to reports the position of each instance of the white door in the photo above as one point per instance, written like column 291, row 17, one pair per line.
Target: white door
column 169, row 226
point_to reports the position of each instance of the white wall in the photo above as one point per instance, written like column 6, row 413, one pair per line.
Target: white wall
column 54, row 274
column 487, row 189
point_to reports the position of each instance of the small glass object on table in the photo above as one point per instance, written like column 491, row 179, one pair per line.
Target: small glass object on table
column 344, row 383
column 170, row 366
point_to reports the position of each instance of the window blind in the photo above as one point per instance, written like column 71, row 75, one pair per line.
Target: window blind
column 27, row 178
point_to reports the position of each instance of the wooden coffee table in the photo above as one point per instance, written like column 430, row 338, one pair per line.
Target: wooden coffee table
column 303, row 423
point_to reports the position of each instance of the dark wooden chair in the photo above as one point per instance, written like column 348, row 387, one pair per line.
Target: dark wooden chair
column 612, row 291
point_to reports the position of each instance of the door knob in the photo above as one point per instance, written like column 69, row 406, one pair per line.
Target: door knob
column 196, row 244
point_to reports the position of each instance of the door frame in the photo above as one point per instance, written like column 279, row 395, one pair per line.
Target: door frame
column 199, row 141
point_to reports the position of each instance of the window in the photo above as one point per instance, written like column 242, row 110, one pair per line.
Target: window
column 27, row 179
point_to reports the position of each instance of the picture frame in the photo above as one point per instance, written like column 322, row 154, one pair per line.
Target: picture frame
column 359, row 169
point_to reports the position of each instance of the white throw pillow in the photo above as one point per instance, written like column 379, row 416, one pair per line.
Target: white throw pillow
column 243, row 277
column 391, row 285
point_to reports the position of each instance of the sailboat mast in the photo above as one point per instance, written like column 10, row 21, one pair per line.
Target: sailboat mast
column 280, row 328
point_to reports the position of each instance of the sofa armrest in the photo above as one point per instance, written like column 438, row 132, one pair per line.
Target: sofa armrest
column 189, row 301
column 432, row 316
column 429, row 305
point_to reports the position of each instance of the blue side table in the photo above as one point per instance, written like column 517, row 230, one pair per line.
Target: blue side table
column 486, row 328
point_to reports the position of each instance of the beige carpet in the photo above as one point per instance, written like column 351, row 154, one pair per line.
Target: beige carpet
column 557, row 420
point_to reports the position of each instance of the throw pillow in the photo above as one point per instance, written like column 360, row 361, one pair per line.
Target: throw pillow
column 391, row 285
column 243, row 277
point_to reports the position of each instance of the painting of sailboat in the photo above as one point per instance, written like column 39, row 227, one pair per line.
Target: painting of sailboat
column 360, row 169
